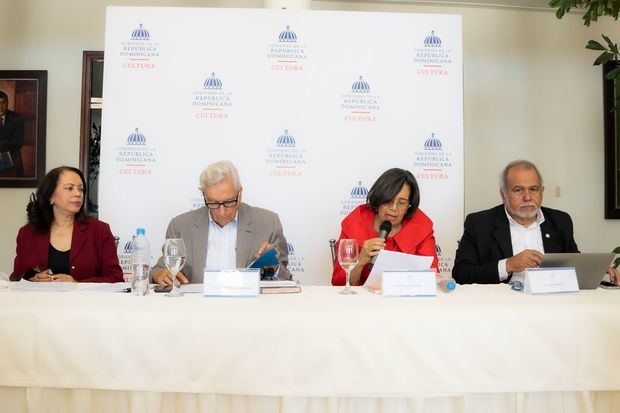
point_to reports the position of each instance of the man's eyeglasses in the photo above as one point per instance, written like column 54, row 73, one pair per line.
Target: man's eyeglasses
column 226, row 204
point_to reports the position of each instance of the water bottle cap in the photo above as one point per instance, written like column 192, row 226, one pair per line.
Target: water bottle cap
column 451, row 285
column 140, row 231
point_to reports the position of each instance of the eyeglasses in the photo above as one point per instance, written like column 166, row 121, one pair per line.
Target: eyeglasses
column 401, row 204
column 226, row 204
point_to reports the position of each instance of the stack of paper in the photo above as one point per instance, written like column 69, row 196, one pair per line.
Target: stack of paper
column 279, row 287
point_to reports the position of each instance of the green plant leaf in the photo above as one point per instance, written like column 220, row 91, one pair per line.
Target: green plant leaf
column 616, row 250
column 603, row 58
column 613, row 74
column 616, row 262
column 613, row 47
column 594, row 45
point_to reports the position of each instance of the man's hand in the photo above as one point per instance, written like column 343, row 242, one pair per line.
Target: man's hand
column 264, row 247
column 163, row 276
column 524, row 259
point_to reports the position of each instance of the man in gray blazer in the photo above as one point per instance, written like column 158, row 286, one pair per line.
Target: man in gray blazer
column 225, row 233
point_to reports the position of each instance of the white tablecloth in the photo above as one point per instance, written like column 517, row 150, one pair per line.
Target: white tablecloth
column 315, row 345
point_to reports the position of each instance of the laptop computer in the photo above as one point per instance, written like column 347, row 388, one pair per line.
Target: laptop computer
column 590, row 267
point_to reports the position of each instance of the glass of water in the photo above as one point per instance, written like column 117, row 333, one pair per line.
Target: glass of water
column 347, row 257
column 174, row 258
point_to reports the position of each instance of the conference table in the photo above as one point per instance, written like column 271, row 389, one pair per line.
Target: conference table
column 478, row 349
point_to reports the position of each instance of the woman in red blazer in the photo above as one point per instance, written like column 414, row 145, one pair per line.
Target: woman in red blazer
column 60, row 242
column 394, row 197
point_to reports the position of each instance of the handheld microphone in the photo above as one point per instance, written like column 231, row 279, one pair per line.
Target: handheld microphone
column 384, row 230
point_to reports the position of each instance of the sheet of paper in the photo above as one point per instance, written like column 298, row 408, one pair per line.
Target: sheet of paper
column 192, row 288
column 106, row 287
column 391, row 260
column 29, row 286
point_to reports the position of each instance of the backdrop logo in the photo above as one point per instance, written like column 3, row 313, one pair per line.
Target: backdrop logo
column 295, row 260
column 212, row 101
column 139, row 52
column 140, row 34
column 433, row 162
column 285, row 158
column 124, row 257
column 287, row 54
column 445, row 263
column 135, row 157
column 197, row 201
column 357, row 196
column 433, row 58
column 359, row 105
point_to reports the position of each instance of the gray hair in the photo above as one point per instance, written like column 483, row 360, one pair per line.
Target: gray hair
column 520, row 163
column 219, row 172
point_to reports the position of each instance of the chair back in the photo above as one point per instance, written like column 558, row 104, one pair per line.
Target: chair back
column 332, row 249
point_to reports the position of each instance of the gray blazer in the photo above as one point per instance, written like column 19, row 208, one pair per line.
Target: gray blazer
column 254, row 226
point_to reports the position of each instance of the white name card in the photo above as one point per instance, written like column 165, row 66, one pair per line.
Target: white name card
column 551, row 280
column 242, row 282
column 409, row 283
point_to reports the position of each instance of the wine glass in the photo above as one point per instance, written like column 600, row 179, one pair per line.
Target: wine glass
column 174, row 258
column 347, row 257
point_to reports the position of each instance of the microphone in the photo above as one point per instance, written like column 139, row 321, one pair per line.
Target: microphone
column 384, row 230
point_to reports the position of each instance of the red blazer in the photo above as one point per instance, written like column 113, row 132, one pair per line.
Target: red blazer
column 415, row 237
column 92, row 259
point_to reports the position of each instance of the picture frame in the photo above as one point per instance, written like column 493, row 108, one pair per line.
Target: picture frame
column 23, row 116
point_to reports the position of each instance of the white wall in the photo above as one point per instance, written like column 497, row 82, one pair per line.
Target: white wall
column 530, row 92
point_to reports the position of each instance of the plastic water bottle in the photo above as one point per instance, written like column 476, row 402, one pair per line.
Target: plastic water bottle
column 446, row 283
column 140, row 263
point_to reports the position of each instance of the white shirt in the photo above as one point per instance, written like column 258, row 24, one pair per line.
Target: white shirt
column 222, row 245
column 522, row 238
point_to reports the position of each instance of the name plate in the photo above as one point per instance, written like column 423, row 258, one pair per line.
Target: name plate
column 551, row 281
column 409, row 283
column 242, row 282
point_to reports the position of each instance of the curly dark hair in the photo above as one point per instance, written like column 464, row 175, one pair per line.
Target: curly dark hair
column 388, row 185
column 39, row 210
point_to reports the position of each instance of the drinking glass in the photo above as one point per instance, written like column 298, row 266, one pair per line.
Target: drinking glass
column 174, row 258
column 347, row 257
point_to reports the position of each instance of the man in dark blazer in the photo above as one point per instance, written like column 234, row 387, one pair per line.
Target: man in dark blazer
column 225, row 233
column 505, row 240
column 11, row 137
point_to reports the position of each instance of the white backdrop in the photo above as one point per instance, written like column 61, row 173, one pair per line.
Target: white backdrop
column 311, row 106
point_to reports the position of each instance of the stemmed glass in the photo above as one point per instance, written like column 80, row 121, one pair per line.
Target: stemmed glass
column 174, row 258
column 347, row 257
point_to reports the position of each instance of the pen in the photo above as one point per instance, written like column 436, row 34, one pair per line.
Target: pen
column 48, row 271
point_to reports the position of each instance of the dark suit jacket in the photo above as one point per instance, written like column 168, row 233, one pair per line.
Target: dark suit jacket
column 92, row 259
column 12, row 140
column 486, row 241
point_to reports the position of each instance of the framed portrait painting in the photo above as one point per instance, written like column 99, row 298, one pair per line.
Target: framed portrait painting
column 23, row 110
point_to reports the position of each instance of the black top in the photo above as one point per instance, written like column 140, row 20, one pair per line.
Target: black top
column 58, row 261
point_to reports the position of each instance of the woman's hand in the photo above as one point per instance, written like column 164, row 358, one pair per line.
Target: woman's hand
column 63, row 277
column 370, row 248
column 42, row 276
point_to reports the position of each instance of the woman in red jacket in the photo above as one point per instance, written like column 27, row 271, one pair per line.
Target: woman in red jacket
column 60, row 242
column 394, row 197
